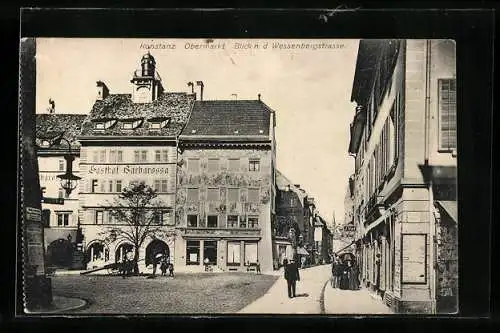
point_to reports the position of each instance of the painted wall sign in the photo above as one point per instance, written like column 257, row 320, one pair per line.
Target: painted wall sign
column 33, row 214
column 414, row 258
column 126, row 170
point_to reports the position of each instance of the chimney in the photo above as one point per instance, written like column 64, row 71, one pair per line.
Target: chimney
column 258, row 95
column 191, row 84
column 52, row 106
column 102, row 91
column 296, row 185
column 200, row 83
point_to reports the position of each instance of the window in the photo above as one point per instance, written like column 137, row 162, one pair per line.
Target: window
column 192, row 252
column 137, row 156
column 132, row 124
column 165, row 155
column 233, row 253
column 144, row 155
column 447, row 114
column 62, row 219
column 233, row 194
column 213, row 194
column 102, row 156
column 251, row 253
column 193, row 165
column 212, row 221
column 93, row 185
column 232, row 221
column 112, row 156
column 61, row 165
column 243, row 222
column 253, row 222
column 118, row 186
column 192, row 221
column 164, row 185
column 253, row 195
column 103, row 186
column 119, row 156
column 210, row 252
column 234, row 164
column 95, row 156
column 157, row 156
column 60, row 193
column 213, row 165
column 159, row 124
column 254, row 165
column 157, row 185
column 192, row 195
column 99, row 217
column 111, row 188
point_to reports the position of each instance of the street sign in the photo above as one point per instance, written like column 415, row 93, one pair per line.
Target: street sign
column 33, row 214
column 55, row 201
column 349, row 228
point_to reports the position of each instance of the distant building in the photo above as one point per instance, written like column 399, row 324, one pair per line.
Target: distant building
column 403, row 137
column 60, row 218
column 226, row 186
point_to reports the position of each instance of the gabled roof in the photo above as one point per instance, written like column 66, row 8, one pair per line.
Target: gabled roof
column 51, row 125
column 174, row 106
column 229, row 119
column 282, row 182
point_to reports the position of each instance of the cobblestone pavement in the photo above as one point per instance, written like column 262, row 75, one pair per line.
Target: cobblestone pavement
column 308, row 300
column 352, row 302
column 207, row 293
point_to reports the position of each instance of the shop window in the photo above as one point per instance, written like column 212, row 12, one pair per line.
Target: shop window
column 63, row 219
column 213, row 194
column 253, row 222
column 212, row 221
column 210, row 252
column 251, row 253
column 192, row 221
column 213, row 164
column 233, row 253
column 232, row 221
column 192, row 252
column 192, row 195
column 233, row 194
column 253, row 195
column 193, row 165
column 254, row 165
column 234, row 164
column 447, row 114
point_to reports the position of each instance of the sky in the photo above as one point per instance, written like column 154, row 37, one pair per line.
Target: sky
column 309, row 88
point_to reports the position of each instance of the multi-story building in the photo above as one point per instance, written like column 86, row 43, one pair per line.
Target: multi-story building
column 226, row 186
column 403, row 137
column 59, row 210
column 322, row 241
column 130, row 138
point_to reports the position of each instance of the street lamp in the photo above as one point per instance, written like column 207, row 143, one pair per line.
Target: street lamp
column 68, row 180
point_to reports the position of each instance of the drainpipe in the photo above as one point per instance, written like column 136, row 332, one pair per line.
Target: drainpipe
column 427, row 99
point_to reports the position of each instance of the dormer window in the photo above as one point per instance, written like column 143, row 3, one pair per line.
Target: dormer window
column 102, row 125
column 158, row 123
column 132, row 124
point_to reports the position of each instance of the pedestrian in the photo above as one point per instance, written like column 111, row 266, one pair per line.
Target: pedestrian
column 171, row 270
column 258, row 267
column 124, row 267
column 344, row 277
column 292, row 276
column 163, row 267
column 337, row 270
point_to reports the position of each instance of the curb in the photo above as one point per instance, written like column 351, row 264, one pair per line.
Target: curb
column 81, row 303
column 322, row 298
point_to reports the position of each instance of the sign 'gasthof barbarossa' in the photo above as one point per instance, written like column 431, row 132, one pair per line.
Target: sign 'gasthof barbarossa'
column 127, row 170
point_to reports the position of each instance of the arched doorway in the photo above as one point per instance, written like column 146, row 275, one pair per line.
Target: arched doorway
column 154, row 248
column 97, row 254
column 122, row 250
column 60, row 253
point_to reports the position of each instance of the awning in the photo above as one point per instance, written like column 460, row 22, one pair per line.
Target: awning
column 450, row 207
column 302, row 251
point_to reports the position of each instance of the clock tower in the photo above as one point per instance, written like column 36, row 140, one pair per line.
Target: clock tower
column 146, row 81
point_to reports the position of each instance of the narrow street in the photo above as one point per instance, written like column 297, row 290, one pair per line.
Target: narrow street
column 315, row 296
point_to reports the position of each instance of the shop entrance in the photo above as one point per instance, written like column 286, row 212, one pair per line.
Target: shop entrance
column 154, row 249
column 210, row 252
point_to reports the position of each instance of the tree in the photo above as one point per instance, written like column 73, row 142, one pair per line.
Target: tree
column 137, row 212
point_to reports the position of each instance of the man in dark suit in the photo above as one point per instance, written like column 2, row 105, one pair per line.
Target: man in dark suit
column 291, row 277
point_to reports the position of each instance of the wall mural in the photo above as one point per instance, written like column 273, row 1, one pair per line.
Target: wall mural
column 223, row 179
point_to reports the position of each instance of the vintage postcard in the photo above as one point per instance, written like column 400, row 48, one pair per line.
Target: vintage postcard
column 239, row 176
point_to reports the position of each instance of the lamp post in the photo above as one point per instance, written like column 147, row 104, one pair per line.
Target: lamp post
column 68, row 180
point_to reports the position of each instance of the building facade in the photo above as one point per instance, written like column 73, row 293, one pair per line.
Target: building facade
column 129, row 139
column 403, row 138
column 226, row 186
column 59, row 210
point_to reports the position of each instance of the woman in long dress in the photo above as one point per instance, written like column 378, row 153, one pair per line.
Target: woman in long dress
column 344, row 277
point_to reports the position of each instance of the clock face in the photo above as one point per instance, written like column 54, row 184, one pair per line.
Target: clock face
column 143, row 95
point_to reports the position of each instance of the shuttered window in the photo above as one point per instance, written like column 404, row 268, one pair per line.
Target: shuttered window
column 447, row 114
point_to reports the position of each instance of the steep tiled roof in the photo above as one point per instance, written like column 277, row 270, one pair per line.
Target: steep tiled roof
column 282, row 182
column 49, row 126
column 175, row 106
column 235, row 118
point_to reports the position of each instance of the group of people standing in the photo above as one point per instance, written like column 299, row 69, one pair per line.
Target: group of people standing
column 345, row 274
